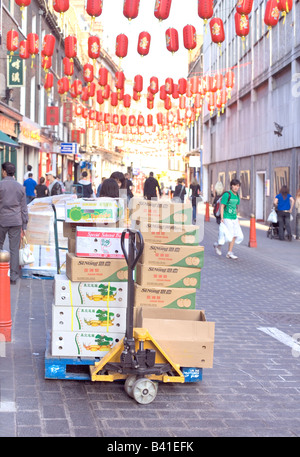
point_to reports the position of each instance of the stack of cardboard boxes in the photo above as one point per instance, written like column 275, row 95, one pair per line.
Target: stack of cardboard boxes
column 167, row 276
column 90, row 300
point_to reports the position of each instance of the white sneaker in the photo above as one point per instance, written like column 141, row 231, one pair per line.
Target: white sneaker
column 217, row 249
column 230, row 255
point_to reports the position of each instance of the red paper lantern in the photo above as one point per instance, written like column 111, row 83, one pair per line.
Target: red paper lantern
column 71, row 46
column 61, row 6
column 144, row 43
column 194, row 84
column 162, row 9
column 140, row 120
column 115, row 119
column 205, row 9
column 63, row 85
column 94, row 8
column 241, row 25
column 189, row 93
column 229, row 81
column 189, row 37
column 217, row 30
column 103, row 73
column 159, row 118
column 169, row 86
column 94, row 47
column 131, row 8
column 162, row 92
column 114, row 99
column 88, row 72
column 218, row 81
column 127, row 101
column 23, row 49
column 211, row 102
column 100, row 98
column 121, row 45
column 68, row 66
column 150, row 120
column 172, row 40
column 244, row 7
column 84, row 94
column 23, row 3
column 48, row 84
column 106, row 92
column 91, row 89
column 120, row 80
column 120, row 94
column 123, row 119
column 48, row 45
column 12, row 41
column 271, row 13
column 167, row 103
column 150, row 96
column 138, row 83
column 153, row 85
column 182, row 102
column 285, row 6
column 150, row 104
column 197, row 101
column 33, row 43
column 76, row 88
column 132, row 120
column 182, row 86
column 175, row 93
column 136, row 95
column 46, row 63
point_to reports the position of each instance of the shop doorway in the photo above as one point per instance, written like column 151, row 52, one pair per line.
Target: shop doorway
column 260, row 196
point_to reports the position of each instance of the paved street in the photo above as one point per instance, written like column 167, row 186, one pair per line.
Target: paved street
column 252, row 390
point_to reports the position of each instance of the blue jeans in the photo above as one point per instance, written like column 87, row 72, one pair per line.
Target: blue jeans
column 194, row 212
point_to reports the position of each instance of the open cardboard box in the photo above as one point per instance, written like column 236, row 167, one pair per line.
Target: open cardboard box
column 184, row 334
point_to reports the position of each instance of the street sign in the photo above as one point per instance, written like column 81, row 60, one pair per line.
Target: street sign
column 15, row 71
column 69, row 148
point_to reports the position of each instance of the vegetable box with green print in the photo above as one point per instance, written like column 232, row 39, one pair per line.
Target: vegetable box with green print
column 94, row 210
column 84, row 344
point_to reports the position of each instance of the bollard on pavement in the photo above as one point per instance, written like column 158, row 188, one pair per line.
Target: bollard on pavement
column 5, row 308
column 252, row 236
column 207, row 218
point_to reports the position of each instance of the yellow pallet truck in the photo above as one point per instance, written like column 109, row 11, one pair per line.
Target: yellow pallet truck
column 137, row 358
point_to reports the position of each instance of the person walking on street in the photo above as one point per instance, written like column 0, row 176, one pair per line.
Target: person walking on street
column 284, row 203
column 99, row 187
column 297, row 206
column 54, row 186
column 179, row 192
column 13, row 216
column 69, row 184
column 41, row 190
column 26, row 175
column 230, row 230
column 87, row 190
column 194, row 195
column 151, row 187
column 29, row 184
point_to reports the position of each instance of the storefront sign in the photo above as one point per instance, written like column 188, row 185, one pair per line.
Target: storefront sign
column 7, row 126
column 67, row 112
column 69, row 148
column 30, row 133
column 15, row 71
column 75, row 136
column 52, row 115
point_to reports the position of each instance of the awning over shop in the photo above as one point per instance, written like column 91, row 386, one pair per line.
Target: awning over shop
column 5, row 139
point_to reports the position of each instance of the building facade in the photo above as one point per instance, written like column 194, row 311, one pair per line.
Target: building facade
column 257, row 138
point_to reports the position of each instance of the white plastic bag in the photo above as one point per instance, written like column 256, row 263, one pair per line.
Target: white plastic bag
column 25, row 255
column 272, row 216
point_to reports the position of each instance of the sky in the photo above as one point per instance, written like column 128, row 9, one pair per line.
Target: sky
column 159, row 62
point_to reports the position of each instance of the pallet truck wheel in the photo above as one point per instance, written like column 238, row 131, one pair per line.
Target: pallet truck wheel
column 144, row 391
column 130, row 380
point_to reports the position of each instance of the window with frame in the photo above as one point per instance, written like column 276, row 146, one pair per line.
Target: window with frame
column 245, row 184
column 281, row 178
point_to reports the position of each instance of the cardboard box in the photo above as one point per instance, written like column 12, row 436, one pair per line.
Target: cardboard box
column 160, row 211
column 166, row 276
column 88, row 269
column 100, row 242
column 101, row 319
column 83, row 344
column 69, row 228
column 178, row 234
column 180, row 256
column 88, row 293
column 39, row 228
column 185, row 335
column 71, row 245
column 94, row 210
column 164, row 297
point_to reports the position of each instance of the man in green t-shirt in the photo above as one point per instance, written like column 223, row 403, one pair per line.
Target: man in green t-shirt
column 230, row 230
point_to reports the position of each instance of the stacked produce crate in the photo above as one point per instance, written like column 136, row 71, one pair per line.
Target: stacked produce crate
column 169, row 270
column 90, row 300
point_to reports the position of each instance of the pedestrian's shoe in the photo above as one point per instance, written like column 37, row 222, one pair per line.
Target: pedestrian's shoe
column 290, row 237
column 217, row 249
column 230, row 255
column 13, row 281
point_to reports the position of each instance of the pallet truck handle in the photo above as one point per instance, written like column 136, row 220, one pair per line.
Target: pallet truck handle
column 134, row 257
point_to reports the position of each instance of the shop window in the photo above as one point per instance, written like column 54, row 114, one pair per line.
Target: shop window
column 245, row 184
column 221, row 177
column 281, row 178
column 232, row 175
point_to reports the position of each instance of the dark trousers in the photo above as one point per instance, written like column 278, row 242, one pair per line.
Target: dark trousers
column 298, row 226
column 283, row 218
column 14, row 236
